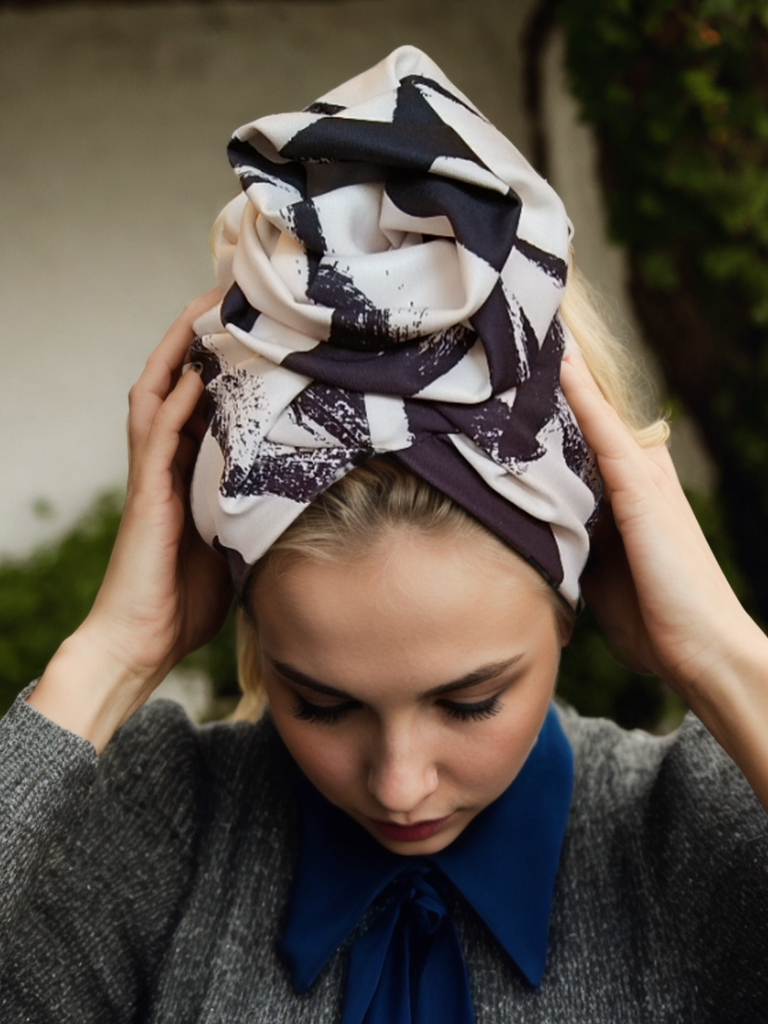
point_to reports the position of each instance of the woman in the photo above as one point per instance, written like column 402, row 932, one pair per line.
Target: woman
column 404, row 500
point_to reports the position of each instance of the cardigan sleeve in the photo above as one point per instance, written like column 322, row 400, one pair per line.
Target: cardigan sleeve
column 96, row 857
column 668, row 851
column 712, row 862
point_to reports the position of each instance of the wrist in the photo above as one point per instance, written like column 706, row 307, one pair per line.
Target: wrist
column 729, row 694
column 721, row 654
column 89, row 689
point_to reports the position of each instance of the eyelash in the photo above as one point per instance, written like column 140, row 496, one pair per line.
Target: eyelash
column 473, row 712
column 309, row 712
column 315, row 713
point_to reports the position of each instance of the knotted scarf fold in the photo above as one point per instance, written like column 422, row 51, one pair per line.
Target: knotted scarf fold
column 392, row 275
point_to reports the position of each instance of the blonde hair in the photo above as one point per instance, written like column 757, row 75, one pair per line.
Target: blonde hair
column 616, row 373
column 356, row 513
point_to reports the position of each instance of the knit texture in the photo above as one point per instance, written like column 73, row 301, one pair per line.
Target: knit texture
column 150, row 885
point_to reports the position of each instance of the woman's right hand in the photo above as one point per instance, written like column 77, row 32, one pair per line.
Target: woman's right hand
column 165, row 592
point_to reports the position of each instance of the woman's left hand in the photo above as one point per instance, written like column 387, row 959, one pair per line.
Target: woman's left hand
column 652, row 582
column 657, row 590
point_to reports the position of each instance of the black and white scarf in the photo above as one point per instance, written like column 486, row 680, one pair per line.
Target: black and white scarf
column 391, row 273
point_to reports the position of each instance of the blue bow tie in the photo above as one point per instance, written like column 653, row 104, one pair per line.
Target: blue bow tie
column 407, row 965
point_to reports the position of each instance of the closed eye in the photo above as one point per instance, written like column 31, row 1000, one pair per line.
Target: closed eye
column 326, row 715
column 463, row 711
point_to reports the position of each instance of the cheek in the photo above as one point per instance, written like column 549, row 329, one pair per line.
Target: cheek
column 327, row 755
column 490, row 753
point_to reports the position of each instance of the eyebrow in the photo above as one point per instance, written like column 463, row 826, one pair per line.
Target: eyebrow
column 484, row 674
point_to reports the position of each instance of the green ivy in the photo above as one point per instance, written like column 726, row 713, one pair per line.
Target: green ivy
column 677, row 91
column 674, row 87
column 45, row 597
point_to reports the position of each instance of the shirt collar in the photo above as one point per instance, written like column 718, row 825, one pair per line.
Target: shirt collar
column 504, row 865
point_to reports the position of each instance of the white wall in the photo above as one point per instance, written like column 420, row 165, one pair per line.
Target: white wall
column 113, row 166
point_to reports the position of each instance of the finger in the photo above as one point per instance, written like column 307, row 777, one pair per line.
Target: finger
column 609, row 437
column 167, row 428
column 172, row 349
column 190, row 439
column 162, row 369
column 640, row 481
column 168, row 356
column 604, row 430
column 624, row 465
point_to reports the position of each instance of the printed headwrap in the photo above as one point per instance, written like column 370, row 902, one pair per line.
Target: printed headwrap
column 391, row 276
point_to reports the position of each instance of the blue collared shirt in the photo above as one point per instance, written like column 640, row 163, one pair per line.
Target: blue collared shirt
column 503, row 864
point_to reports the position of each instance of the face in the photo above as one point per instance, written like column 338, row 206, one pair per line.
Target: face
column 409, row 684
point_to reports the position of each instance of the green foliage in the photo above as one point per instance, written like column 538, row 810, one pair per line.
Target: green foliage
column 677, row 91
column 45, row 597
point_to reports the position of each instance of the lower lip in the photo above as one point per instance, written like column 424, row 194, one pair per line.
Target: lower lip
column 409, row 833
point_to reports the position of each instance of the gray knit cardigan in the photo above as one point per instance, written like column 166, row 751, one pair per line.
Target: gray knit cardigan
column 150, row 884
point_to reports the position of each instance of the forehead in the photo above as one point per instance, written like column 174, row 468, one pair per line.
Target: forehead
column 422, row 608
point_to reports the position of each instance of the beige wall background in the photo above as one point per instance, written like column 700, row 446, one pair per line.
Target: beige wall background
column 113, row 125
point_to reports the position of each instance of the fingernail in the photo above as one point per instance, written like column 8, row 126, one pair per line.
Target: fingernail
column 194, row 367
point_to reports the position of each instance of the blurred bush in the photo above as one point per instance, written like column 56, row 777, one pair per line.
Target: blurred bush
column 43, row 598
column 677, row 91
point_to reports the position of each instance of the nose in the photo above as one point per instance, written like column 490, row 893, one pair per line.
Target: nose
column 402, row 771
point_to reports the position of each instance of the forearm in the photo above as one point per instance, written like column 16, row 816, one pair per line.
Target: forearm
column 730, row 696
column 89, row 690
column 165, row 593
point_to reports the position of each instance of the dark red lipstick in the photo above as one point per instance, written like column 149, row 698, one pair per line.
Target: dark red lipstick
column 409, row 833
